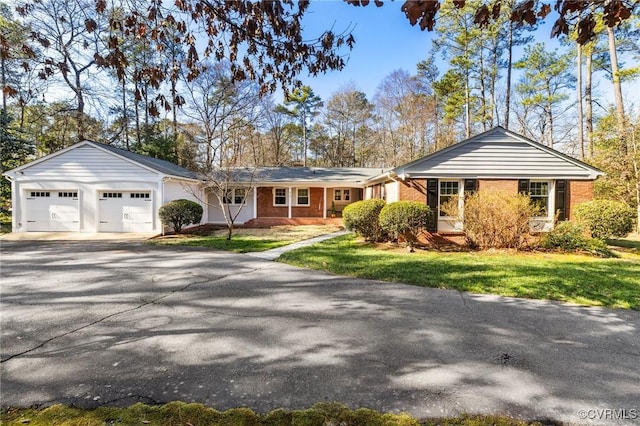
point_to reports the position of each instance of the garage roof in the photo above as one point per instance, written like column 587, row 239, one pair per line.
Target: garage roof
column 162, row 166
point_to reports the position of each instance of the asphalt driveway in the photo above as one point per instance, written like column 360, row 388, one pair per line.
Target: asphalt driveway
column 114, row 323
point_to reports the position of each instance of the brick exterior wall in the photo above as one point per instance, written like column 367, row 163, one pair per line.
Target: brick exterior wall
column 315, row 208
column 266, row 207
column 413, row 190
column 579, row 192
column 510, row 186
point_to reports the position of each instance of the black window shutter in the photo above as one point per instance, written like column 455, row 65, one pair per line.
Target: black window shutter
column 432, row 202
column 470, row 185
column 523, row 186
column 561, row 199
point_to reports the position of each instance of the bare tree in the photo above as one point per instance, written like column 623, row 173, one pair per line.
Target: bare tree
column 70, row 37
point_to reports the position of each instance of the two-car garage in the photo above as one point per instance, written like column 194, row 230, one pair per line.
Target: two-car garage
column 91, row 187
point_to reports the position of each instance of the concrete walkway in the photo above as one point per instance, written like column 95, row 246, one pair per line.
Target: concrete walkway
column 275, row 253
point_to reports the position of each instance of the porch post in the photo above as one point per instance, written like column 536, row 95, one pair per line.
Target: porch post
column 289, row 199
column 255, row 202
column 324, row 202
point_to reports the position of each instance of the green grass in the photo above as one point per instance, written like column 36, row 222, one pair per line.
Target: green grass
column 572, row 278
column 238, row 244
column 246, row 240
column 178, row 413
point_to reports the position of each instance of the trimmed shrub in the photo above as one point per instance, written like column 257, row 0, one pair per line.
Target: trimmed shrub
column 606, row 218
column 570, row 236
column 497, row 219
column 405, row 219
column 180, row 213
column 362, row 218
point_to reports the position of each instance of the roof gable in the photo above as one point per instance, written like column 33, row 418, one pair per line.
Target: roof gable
column 88, row 157
column 498, row 153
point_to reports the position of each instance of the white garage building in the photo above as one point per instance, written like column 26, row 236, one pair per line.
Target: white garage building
column 92, row 187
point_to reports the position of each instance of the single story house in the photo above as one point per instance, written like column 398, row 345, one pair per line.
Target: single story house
column 497, row 160
column 91, row 187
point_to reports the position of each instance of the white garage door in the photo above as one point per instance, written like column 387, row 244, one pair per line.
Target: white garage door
column 125, row 211
column 55, row 211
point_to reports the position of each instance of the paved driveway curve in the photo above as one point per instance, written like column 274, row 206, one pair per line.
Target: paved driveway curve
column 93, row 323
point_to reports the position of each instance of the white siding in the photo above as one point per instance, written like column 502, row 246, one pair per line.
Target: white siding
column 498, row 155
column 87, row 163
column 176, row 190
column 216, row 216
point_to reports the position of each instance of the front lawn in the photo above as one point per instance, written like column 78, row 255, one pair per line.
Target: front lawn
column 572, row 278
column 245, row 240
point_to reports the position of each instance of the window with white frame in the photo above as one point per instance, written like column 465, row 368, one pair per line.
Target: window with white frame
column 302, row 197
column 227, row 197
column 342, row 195
column 279, row 196
column 239, row 195
column 539, row 194
column 449, row 197
column 234, row 196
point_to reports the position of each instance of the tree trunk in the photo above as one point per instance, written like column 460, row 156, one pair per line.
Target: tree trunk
column 579, row 101
column 125, row 116
column 588, row 102
column 509, row 67
column 617, row 87
column 80, row 111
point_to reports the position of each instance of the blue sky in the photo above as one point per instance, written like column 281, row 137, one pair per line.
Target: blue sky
column 385, row 41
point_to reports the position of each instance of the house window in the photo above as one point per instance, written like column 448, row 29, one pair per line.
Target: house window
column 539, row 194
column 239, row 195
column 234, row 196
column 303, row 196
column 280, row 196
column 227, row 197
column 342, row 195
column 449, row 198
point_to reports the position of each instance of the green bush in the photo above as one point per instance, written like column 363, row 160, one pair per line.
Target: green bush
column 179, row 213
column 497, row 219
column 405, row 219
column 362, row 218
column 606, row 218
column 570, row 236
column 565, row 236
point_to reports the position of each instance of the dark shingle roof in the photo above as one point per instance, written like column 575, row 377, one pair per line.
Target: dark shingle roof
column 275, row 175
column 162, row 166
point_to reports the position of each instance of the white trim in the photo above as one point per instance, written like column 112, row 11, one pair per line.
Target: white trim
column 255, row 202
column 460, row 183
column 324, row 203
column 273, row 194
column 289, row 201
column 308, row 197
